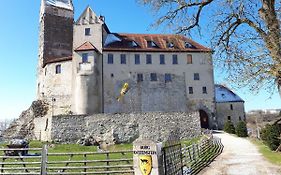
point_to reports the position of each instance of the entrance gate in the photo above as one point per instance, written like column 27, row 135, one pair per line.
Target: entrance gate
column 172, row 156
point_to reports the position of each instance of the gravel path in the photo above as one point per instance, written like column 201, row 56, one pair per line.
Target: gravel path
column 239, row 157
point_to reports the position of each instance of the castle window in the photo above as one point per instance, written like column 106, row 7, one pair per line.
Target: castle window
column 231, row 107
column 139, row 77
column 85, row 58
column 87, row 31
column 204, row 90
column 123, row 58
column 168, row 78
column 151, row 44
column 58, row 69
column 162, row 59
column 175, row 59
column 112, row 75
column 110, row 58
column 240, row 118
column 148, row 59
column 196, row 76
column 229, row 118
column 189, row 59
column 190, row 89
column 153, row 77
column 202, row 61
column 137, row 59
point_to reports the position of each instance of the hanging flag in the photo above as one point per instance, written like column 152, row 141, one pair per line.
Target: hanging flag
column 123, row 91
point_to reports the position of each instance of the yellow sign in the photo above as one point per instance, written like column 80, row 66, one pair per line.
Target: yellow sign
column 145, row 164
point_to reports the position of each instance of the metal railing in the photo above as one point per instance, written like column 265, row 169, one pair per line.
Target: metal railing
column 197, row 156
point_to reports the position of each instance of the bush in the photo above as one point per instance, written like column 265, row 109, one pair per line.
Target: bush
column 270, row 134
column 241, row 129
column 229, row 127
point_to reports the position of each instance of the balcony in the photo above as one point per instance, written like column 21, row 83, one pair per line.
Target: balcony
column 85, row 68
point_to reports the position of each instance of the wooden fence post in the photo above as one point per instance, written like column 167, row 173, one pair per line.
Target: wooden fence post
column 44, row 160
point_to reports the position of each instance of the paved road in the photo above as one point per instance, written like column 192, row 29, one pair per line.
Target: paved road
column 239, row 157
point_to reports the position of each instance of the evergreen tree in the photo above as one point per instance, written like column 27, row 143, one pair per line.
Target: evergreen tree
column 241, row 129
column 229, row 127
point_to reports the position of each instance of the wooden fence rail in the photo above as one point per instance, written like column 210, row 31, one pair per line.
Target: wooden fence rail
column 14, row 162
column 45, row 163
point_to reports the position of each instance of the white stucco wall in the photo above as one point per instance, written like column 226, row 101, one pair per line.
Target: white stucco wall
column 56, row 88
column 182, row 78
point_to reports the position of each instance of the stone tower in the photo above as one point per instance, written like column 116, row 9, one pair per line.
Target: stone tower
column 89, row 33
column 55, row 37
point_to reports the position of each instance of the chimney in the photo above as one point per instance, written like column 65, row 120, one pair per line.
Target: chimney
column 102, row 18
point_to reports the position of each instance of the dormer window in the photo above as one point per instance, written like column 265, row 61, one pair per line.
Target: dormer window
column 133, row 44
column 188, row 45
column 170, row 44
column 87, row 31
column 151, row 44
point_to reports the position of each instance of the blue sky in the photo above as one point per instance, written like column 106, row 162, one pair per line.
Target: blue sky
column 19, row 49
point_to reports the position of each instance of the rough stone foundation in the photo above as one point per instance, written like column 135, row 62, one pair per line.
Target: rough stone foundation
column 124, row 128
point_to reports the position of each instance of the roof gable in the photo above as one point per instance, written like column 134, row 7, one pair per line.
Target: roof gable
column 88, row 17
column 85, row 47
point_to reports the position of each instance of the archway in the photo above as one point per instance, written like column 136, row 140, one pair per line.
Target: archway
column 204, row 119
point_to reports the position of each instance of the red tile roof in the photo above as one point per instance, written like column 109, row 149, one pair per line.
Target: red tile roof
column 160, row 40
column 55, row 60
column 85, row 47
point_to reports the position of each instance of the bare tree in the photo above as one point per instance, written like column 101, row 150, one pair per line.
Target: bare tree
column 246, row 35
column 4, row 124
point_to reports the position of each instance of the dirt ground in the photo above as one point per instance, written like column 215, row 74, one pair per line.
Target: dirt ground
column 239, row 157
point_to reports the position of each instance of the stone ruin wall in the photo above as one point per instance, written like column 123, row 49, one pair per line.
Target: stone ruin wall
column 124, row 128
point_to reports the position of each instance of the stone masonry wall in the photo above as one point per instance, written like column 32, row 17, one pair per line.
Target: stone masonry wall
column 124, row 128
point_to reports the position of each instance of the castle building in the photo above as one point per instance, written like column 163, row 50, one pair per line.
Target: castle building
column 229, row 106
column 83, row 66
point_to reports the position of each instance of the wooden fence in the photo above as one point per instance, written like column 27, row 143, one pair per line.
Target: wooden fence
column 19, row 164
column 116, row 162
column 178, row 159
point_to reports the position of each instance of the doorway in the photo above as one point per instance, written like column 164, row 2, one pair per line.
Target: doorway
column 204, row 120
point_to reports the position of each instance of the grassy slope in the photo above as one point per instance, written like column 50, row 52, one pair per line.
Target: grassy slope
column 273, row 157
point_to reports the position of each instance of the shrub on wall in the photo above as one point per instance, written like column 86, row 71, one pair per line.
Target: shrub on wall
column 270, row 134
column 241, row 129
column 229, row 127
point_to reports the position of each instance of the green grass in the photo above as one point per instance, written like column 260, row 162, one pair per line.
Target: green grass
column 74, row 148
column 272, row 156
column 191, row 141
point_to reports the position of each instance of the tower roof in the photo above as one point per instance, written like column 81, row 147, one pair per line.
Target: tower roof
column 66, row 4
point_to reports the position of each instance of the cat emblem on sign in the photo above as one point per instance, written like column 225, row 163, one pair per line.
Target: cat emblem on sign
column 145, row 164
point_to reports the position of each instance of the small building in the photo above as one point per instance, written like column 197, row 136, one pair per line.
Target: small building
column 229, row 106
